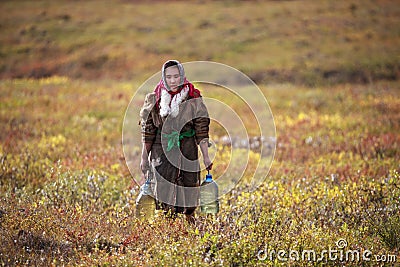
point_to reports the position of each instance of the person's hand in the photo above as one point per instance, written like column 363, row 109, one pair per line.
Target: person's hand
column 204, row 150
column 142, row 179
column 144, row 165
column 208, row 163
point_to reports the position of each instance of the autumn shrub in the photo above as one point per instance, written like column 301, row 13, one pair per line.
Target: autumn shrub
column 329, row 70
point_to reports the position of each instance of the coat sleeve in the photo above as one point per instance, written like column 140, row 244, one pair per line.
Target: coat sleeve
column 201, row 120
column 148, row 128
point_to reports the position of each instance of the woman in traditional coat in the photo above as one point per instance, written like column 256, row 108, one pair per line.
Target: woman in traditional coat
column 174, row 122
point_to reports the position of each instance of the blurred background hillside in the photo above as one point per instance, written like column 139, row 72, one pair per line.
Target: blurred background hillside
column 307, row 42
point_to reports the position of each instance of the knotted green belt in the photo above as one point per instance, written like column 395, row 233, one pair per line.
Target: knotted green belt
column 174, row 138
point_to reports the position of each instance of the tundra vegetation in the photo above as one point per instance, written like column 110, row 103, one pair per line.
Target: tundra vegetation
column 329, row 70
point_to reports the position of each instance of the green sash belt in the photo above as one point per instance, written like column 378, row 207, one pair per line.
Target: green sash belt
column 174, row 138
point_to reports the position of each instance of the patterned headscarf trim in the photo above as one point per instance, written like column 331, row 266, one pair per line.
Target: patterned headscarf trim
column 169, row 101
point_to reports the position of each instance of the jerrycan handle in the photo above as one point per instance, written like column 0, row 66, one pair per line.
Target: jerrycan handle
column 208, row 177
